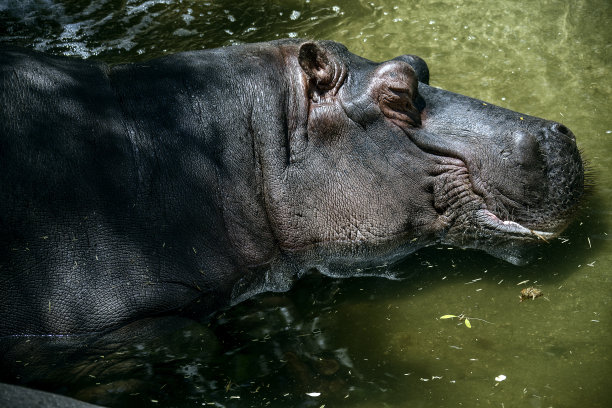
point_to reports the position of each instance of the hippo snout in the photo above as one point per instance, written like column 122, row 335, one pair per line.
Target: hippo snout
column 564, row 176
column 524, row 149
column 525, row 174
column 549, row 181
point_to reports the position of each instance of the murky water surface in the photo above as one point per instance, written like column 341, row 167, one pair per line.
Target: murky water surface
column 374, row 342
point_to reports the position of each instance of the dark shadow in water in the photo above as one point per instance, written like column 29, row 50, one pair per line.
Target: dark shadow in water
column 114, row 369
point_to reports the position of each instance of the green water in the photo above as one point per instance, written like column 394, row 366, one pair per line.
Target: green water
column 374, row 342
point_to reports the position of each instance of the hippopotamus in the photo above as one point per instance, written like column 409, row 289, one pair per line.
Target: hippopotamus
column 191, row 182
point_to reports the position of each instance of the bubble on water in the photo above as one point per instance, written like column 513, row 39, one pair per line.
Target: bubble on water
column 187, row 18
column 189, row 370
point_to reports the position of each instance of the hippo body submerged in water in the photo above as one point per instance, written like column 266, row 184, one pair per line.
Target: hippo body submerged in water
column 196, row 180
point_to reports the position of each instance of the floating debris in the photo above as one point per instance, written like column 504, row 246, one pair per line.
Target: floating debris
column 463, row 318
column 530, row 293
column 522, row 282
column 500, row 378
column 460, row 317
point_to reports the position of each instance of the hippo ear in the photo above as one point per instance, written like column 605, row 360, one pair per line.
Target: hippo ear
column 395, row 87
column 318, row 65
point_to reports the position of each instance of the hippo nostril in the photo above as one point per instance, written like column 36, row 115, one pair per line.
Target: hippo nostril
column 559, row 128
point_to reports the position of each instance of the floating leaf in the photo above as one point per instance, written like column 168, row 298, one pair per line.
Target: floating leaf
column 467, row 323
column 447, row 316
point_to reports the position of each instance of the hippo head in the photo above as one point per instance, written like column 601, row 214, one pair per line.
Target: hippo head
column 380, row 164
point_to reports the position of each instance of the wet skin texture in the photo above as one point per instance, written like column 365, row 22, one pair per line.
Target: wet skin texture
column 194, row 181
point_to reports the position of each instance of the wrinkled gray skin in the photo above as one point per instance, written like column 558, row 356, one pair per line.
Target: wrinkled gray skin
column 194, row 181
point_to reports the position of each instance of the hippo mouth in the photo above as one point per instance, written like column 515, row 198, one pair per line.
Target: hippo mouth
column 480, row 228
column 503, row 239
column 490, row 221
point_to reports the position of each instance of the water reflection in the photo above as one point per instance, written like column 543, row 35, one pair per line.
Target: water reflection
column 263, row 352
column 109, row 29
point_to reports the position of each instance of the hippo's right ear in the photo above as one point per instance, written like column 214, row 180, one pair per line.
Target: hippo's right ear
column 319, row 65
